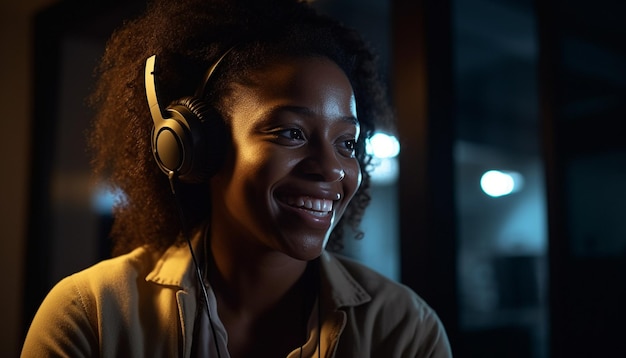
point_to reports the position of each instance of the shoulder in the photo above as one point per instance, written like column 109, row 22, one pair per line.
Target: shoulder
column 114, row 274
column 94, row 288
column 75, row 306
column 394, row 317
column 381, row 288
column 112, row 277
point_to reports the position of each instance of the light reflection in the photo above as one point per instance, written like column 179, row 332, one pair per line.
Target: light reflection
column 496, row 183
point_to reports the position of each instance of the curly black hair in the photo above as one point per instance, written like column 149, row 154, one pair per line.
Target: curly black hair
column 188, row 36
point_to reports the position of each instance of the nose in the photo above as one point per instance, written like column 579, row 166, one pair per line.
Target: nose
column 323, row 164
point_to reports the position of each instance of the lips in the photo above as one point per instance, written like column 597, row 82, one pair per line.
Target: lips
column 309, row 203
column 305, row 208
column 316, row 212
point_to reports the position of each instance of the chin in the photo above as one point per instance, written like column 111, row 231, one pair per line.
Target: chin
column 308, row 249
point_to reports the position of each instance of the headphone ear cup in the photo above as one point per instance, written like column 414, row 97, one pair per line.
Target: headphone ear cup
column 183, row 142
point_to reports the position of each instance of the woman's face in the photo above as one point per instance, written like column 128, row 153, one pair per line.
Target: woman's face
column 291, row 170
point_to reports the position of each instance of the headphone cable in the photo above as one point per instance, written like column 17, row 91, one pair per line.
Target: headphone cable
column 172, row 179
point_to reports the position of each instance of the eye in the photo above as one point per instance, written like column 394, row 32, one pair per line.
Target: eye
column 290, row 133
column 348, row 148
column 351, row 144
column 288, row 136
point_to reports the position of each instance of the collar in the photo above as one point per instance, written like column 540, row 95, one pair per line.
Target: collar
column 175, row 268
column 343, row 289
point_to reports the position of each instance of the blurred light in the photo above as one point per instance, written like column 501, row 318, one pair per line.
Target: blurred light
column 384, row 171
column 497, row 183
column 382, row 145
column 104, row 198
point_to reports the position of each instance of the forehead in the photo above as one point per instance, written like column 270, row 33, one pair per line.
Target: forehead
column 293, row 71
column 314, row 83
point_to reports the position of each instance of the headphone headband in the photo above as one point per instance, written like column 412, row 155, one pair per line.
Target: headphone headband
column 209, row 73
column 150, row 81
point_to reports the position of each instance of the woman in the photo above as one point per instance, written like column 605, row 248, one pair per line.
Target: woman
column 267, row 165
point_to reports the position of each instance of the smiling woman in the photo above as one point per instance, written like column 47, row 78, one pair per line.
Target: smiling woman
column 267, row 163
column 292, row 153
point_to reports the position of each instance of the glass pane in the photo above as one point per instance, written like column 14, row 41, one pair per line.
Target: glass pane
column 501, row 210
column 597, row 205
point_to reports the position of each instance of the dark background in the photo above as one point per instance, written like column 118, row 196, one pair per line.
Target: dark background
column 534, row 87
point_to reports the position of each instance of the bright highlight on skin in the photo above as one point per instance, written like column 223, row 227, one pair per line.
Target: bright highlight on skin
column 382, row 145
column 496, row 183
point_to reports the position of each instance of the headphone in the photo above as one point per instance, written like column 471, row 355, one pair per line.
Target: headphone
column 189, row 137
column 188, row 141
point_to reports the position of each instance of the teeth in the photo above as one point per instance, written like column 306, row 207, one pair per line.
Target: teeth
column 313, row 204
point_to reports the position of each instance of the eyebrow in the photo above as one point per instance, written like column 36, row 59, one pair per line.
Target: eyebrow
column 303, row 111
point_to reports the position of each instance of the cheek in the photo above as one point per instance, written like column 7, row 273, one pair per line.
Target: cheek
column 257, row 169
column 351, row 184
column 352, row 180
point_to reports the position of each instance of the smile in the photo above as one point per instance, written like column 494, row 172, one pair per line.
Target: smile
column 315, row 206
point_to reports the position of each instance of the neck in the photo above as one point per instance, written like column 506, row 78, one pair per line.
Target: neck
column 251, row 280
column 261, row 295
